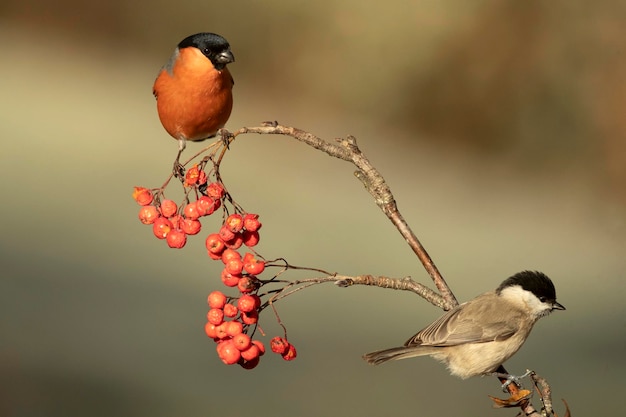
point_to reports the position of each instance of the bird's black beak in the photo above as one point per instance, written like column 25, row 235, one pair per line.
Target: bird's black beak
column 225, row 57
column 557, row 306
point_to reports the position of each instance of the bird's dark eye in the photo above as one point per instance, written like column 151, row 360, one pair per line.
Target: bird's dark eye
column 542, row 299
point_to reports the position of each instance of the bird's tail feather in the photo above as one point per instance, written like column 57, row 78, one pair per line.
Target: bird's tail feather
column 397, row 353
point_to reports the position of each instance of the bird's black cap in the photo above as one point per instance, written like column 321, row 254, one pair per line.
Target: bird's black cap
column 537, row 283
column 212, row 45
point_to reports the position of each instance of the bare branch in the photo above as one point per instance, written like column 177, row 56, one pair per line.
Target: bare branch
column 375, row 184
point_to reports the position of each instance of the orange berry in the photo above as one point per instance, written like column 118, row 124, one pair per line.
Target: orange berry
column 161, row 227
column 251, row 222
column 206, row 205
column 143, row 196
column 168, row 208
column 290, row 354
column 279, row 345
column 228, row 279
column 234, row 222
column 252, row 265
column 216, row 299
column 260, row 345
column 248, row 284
column 214, row 244
column 250, row 318
column 250, row 238
column 176, row 239
column 216, row 316
column 190, row 227
column 246, row 303
column 241, row 341
column 191, row 211
column 215, row 190
column 251, row 352
column 236, row 242
column 220, row 330
column 230, row 310
column 148, row 214
column 229, row 254
column 209, row 329
column 234, row 266
column 228, row 352
column 233, row 328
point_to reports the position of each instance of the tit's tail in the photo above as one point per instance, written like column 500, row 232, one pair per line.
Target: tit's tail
column 394, row 354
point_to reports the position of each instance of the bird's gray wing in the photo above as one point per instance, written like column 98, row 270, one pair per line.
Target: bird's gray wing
column 460, row 325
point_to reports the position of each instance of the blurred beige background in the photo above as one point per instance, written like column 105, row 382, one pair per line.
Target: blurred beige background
column 499, row 126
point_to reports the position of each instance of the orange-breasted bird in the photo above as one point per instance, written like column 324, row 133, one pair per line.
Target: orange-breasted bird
column 194, row 89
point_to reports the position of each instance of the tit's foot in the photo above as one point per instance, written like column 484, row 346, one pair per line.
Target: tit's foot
column 511, row 379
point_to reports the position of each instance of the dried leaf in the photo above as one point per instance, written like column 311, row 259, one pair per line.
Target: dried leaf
column 513, row 401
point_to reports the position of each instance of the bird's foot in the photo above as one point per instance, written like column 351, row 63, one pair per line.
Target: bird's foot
column 511, row 379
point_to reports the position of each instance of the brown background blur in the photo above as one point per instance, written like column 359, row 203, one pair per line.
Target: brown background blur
column 500, row 127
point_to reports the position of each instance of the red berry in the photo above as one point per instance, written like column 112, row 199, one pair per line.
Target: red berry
column 192, row 176
column 209, row 329
column 216, row 316
column 168, row 208
column 161, row 227
column 260, row 345
column 215, row 190
column 230, row 310
column 228, row 352
column 143, row 196
column 191, row 211
column 234, row 266
column 216, row 299
column 233, row 328
column 228, row 279
column 250, row 238
column 252, row 265
column 279, row 345
column 250, row 318
column 251, row 352
column 214, row 244
column 190, row 227
column 251, row 222
column 148, row 214
column 234, row 222
column 220, row 330
column 176, row 238
column 206, row 205
column 248, row 284
column 236, row 242
column 246, row 303
column 241, row 341
column 226, row 234
column 290, row 354
column 229, row 254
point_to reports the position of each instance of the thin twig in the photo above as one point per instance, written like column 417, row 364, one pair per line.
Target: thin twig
column 373, row 181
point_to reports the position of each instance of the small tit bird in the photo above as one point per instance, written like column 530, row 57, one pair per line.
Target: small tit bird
column 476, row 337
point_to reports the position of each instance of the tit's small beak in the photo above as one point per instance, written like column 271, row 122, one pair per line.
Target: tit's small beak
column 557, row 306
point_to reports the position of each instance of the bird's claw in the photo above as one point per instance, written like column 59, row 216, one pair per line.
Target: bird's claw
column 512, row 379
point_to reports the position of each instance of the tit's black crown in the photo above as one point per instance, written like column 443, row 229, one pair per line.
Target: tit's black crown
column 534, row 281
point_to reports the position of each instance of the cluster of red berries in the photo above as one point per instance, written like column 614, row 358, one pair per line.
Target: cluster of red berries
column 233, row 344
column 229, row 319
column 240, row 272
column 172, row 223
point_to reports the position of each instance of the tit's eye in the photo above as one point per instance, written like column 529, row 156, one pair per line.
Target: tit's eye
column 542, row 299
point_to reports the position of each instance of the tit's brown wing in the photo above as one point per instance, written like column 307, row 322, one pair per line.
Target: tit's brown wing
column 477, row 321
